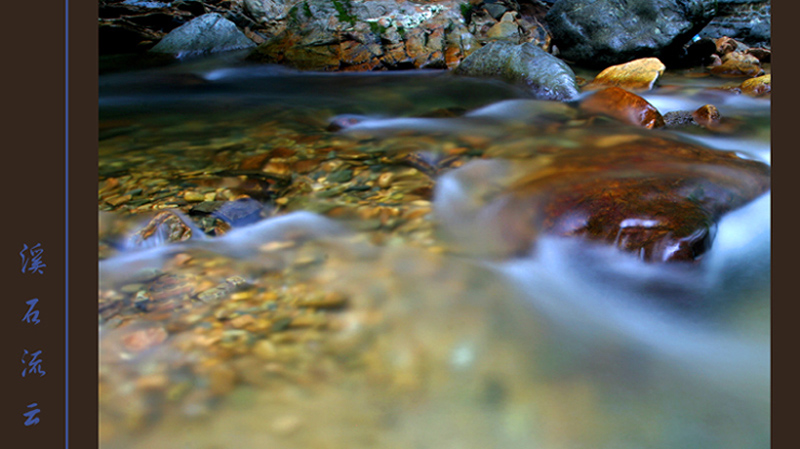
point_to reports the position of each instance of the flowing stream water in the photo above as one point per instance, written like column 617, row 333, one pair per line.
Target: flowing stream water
column 446, row 339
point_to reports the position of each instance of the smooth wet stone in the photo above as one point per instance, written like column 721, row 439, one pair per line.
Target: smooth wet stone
column 758, row 86
column 657, row 198
column 548, row 77
column 706, row 115
column 241, row 212
column 738, row 64
column 637, row 75
column 624, row 106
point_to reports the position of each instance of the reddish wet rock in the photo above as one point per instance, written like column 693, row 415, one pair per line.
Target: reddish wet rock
column 706, row 115
column 653, row 197
column 624, row 106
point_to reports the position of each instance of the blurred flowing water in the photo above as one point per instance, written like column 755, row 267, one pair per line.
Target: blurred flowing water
column 572, row 344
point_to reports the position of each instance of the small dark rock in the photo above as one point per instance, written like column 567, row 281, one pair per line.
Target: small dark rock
column 340, row 176
column 241, row 212
column 206, row 207
column 677, row 119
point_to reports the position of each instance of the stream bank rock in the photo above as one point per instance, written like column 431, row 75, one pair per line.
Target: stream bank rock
column 361, row 35
column 599, row 33
column 208, row 33
column 548, row 77
column 745, row 20
column 127, row 26
column 515, row 22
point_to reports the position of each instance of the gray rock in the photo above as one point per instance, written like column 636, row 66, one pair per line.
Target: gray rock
column 206, row 34
column 267, row 10
column 599, row 33
column 746, row 21
column 548, row 77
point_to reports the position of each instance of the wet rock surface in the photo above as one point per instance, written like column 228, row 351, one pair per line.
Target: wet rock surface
column 656, row 198
column 757, row 87
column 624, row 106
column 546, row 76
column 707, row 116
column 605, row 32
column 637, row 75
column 738, row 64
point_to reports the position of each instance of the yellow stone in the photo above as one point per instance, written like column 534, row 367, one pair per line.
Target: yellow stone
column 265, row 350
column 193, row 197
column 117, row 200
column 639, row 74
column 757, row 86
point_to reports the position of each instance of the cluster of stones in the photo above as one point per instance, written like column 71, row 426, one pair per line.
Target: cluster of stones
column 360, row 35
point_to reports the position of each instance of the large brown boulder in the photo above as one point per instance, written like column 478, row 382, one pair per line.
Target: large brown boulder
column 654, row 197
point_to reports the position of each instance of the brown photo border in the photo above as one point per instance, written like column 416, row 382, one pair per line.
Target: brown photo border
column 34, row 187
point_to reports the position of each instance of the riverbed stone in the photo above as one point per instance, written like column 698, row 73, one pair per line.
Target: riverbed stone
column 165, row 228
column 654, row 197
column 758, row 86
column 624, row 106
column 548, row 77
column 637, row 75
column 208, row 33
column 738, row 64
column 598, row 33
column 706, row 115
column 678, row 119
